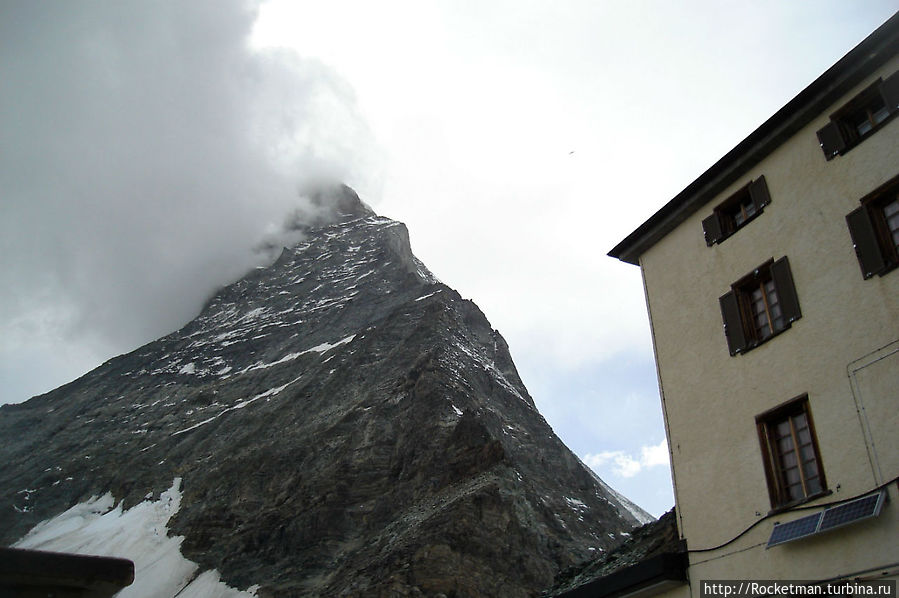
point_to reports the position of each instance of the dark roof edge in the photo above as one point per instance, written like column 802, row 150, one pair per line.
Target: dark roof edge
column 49, row 572
column 861, row 61
column 668, row 568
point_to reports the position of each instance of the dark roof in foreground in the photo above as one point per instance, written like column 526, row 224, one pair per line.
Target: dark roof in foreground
column 650, row 558
column 28, row 573
column 848, row 72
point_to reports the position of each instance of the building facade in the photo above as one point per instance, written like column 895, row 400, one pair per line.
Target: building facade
column 773, row 293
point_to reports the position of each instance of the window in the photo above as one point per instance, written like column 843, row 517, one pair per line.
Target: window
column 790, row 453
column 874, row 228
column 736, row 211
column 861, row 117
column 759, row 306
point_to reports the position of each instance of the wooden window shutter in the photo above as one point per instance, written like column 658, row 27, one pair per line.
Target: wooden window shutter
column 831, row 138
column 733, row 322
column 758, row 191
column 775, row 493
column 889, row 89
column 786, row 289
column 711, row 227
column 864, row 240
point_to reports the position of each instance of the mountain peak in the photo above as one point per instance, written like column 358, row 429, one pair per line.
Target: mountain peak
column 341, row 422
column 321, row 203
column 334, row 202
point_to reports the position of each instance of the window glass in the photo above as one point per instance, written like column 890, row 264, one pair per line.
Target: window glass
column 759, row 306
column 736, row 211
column 860, row 117
column 792, row 461
column 891, row 213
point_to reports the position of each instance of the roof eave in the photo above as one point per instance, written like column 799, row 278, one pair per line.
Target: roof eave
column 861, row 61
column 641, row 580
column 41, row 573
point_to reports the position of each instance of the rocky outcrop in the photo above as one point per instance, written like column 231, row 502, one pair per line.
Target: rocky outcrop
column 653, row 539
column 343, row 423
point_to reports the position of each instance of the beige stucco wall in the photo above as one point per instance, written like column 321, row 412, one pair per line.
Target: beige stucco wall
column 843, row 352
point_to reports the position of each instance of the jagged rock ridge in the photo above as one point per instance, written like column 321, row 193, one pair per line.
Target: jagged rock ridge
column 344, row 424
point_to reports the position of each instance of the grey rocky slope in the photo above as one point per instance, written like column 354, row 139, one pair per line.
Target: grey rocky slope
column 344, row 424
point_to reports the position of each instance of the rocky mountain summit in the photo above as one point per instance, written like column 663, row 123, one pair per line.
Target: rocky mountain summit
column 341, row 424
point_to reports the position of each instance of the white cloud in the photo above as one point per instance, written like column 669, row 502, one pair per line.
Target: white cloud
column 146, row 150
column 145, row 142
column 626, row 465
column 653, row 455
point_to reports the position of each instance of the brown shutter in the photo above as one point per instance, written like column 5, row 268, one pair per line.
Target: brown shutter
column 711, row 227
column 831, row 139
column 758, row 191
column 733, row 322
column 864, row 240
column 889, row 89
column 786, row 290
column 774, row 485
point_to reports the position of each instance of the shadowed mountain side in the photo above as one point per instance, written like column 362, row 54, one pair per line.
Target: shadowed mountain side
column 344, row 424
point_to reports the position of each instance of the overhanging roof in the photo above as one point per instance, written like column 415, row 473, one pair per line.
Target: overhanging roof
column 644, row 579
column 651, row 560
column 32, row 573
column 827, row 89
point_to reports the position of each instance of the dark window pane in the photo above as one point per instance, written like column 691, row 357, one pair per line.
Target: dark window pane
column 760, row 314
column 864, row 118
column 783, row 428
column 891, row 213
column 774, row 311
column 745, row 211
column 808, row 455
column 789, row 461
column 794, row 472
column 811, row 472
column 814, row 486
column 863, row 127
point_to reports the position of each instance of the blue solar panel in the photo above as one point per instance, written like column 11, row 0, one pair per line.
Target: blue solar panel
column 828, row 519
column 785, row 532
column 852, row 511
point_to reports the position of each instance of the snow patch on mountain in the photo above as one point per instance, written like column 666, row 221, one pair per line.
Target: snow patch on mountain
column 239, row 405
column 100, row 527
column 325, row 347
column 322, row 348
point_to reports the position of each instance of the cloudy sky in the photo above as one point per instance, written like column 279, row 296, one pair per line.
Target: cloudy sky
column 146, row 147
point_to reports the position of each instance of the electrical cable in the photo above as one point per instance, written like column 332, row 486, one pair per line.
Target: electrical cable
column 798, row 508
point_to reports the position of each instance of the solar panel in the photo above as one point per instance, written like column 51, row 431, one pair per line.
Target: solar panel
column 799, row 528
column 828, row 519
column 852, row 511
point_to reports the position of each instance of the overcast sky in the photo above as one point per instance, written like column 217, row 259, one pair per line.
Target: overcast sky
column 147, row 147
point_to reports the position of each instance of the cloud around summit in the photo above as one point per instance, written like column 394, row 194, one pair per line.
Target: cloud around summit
column 146, row 149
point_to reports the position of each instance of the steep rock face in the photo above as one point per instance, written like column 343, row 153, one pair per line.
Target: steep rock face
column 344, row 424
column 651, row 540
